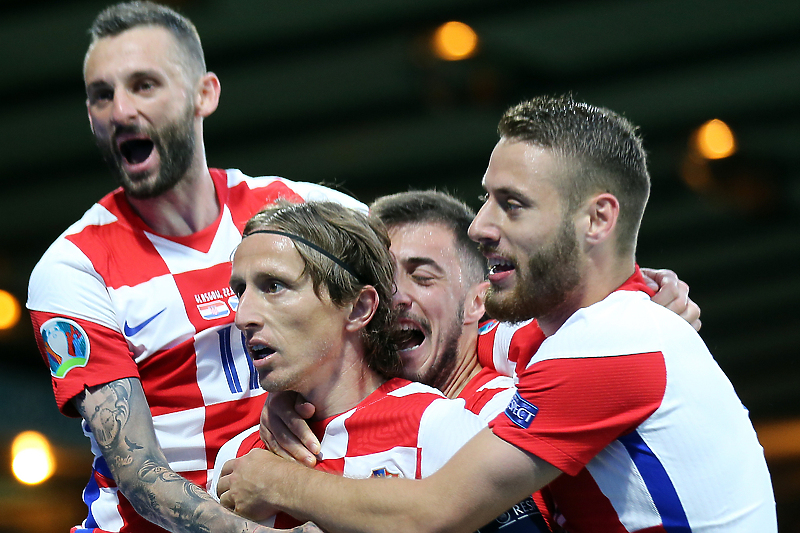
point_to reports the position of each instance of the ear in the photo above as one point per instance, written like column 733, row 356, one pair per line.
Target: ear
column 363, row 309
column 207, row 96
column 601, row 213
column 91, row 124
column 474, row 307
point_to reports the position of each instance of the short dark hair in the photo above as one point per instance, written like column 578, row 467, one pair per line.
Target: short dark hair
column 124, row 16
column 605, row 146
column 358, row 241
column 435, row 207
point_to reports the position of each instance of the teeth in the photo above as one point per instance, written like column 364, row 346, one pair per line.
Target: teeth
column 260, row 351
column 498, row 261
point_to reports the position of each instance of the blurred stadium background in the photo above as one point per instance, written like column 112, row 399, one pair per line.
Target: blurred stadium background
column 353, row 93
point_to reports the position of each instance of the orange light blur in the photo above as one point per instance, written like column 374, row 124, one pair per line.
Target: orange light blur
column 715, row 140
column 9, row 310
column 32, row 459
column 454, row 41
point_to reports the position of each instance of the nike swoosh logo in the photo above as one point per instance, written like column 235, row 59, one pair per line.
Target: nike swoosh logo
column 131, row 331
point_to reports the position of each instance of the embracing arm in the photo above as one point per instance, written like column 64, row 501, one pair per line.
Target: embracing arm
column 119, row 417
column 673, row 293
column 486, row 477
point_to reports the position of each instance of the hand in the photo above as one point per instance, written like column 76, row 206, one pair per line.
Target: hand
column 673, row 294
column 243, row 485
column 284, row 428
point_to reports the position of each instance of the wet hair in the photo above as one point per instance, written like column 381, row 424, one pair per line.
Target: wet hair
column 124, row 16
column 345, row 250
column 602, row 150
column 435, row 207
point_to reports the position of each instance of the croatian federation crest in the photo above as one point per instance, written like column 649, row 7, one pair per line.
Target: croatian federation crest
column 66, row 345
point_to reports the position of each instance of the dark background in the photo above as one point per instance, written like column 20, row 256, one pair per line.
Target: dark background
column 347, row 92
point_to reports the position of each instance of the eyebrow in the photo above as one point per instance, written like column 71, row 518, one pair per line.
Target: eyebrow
column 422, row 261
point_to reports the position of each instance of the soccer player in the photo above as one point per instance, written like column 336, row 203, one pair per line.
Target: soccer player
column 131, row 306
column 439, row 277
column 621, row 414
column 314, row 283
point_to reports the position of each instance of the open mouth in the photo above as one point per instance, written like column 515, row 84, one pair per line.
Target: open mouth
column 136, row 151
column 260, row 352
column 497, row 265
column 409, row 337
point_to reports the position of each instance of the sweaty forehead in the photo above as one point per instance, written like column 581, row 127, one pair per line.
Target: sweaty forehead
column 423, row 242
column 139, row 49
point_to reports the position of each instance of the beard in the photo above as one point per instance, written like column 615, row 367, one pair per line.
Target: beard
column 550, row 276
column 175, row 143
column 444, row 364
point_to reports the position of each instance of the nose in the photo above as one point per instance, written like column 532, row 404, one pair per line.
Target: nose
column 123, row 110
column 483, row 229
column 401, row 298
column 246, row 316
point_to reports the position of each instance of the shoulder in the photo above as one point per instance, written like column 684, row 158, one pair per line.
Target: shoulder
column 277, row 187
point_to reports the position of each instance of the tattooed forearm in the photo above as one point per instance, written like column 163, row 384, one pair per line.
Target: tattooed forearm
column 119, row 417
column 106, row 409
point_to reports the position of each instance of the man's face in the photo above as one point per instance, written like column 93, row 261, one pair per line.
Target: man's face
column 293, row 336
column 141, row 109
column 431, row 291
column 528, row 239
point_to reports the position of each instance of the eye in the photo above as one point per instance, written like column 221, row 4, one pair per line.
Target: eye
column 273, row 286
column 144, row 86
column 422, row 279
column 238, row 289
column 100, row 95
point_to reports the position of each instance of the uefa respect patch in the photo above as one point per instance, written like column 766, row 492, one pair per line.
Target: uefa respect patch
column 66, row 344
column 521, row 411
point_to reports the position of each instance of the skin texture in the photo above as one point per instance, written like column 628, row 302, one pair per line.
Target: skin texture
column 136, row 87
column 299, row 341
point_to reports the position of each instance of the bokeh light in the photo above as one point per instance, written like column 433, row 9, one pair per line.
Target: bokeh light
column 32, row 459
column 454, row 41
column 715, row 140
column 9, row 310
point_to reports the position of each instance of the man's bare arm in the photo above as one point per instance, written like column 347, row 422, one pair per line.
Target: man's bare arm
column 485, row 478
column 119, row 417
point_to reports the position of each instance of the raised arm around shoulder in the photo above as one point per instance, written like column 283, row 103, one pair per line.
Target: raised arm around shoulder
column 486, row 477
column 119, row 417
column 673, row 293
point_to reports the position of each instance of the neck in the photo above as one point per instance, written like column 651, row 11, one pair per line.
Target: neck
column 349, row 383
column 187, row 208
column 467, row 365
column 601, row 277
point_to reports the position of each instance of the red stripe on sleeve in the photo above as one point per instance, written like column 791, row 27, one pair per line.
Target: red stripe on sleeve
column 584, row 404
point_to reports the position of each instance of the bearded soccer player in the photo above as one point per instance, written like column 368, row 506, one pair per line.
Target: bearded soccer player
column 439, row 278
column 131, row 306
column 621, row 415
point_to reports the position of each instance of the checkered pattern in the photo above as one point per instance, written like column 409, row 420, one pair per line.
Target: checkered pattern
column 402, row 429
column 159, row 309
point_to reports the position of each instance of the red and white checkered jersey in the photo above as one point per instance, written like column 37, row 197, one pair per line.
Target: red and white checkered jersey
column 506, row 346
column 403, row 429
column 110, row 299
column 627, row 401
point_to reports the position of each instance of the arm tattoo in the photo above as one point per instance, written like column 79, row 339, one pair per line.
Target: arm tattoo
column 107, row 410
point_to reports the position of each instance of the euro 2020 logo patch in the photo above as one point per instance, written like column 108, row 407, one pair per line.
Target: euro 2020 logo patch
column 67, row 345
